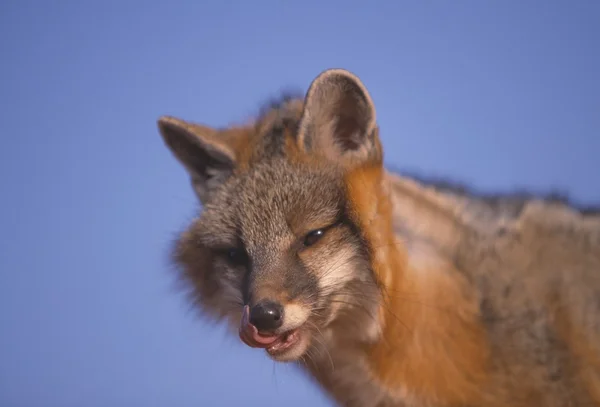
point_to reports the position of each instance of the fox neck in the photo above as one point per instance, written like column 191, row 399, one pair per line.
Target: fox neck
column 431, row 345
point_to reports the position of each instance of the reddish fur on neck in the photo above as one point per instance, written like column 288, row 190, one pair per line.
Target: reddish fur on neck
column 432, row 345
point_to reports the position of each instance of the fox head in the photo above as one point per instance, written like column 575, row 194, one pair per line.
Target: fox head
column 284, row 247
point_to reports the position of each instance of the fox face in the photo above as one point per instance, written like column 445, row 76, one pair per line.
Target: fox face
column 279, row 250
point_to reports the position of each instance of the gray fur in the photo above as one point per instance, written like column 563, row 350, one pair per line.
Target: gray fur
column 533, row 264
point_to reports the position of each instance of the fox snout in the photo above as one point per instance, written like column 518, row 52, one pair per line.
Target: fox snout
column 266, row 316
column 258, row 324
column 275, row 327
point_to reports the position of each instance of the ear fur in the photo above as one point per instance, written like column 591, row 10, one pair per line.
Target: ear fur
column 208, row 159
column 339, row 119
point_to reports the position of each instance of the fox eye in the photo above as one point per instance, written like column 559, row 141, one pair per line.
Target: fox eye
column 313, row 237
column 236, row 256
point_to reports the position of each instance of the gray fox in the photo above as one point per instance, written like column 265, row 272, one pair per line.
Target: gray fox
column 388, row 289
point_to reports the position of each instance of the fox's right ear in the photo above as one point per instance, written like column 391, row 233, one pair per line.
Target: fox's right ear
column 207, row 157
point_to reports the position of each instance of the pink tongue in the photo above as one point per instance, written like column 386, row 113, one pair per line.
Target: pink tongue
column 250, row 335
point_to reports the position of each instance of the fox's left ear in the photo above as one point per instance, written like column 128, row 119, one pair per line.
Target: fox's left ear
column 339, row 119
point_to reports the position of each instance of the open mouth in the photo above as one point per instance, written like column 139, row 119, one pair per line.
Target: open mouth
column 273, row 344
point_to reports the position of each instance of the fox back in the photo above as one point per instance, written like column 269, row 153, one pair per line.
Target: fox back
column 388, row 289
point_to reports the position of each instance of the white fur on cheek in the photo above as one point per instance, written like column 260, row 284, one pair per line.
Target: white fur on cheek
column 295, row 316
column 337, row 272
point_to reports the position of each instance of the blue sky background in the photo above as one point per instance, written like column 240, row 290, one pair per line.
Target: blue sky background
column 500, row 94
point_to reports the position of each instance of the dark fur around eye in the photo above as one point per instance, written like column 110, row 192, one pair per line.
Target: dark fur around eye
column 236, row 256
column 313, row 237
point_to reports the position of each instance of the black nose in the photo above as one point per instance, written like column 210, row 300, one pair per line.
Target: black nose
column 266, row 315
